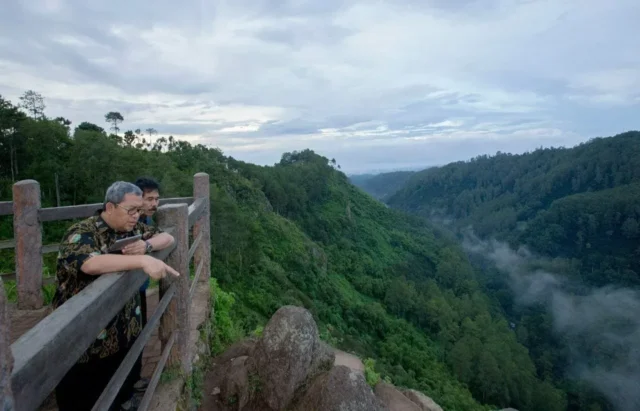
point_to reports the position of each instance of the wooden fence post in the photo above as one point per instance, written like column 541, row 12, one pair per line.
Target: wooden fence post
column 27, row 232
column 177, row 316
column 203, row 225
column 6, row 358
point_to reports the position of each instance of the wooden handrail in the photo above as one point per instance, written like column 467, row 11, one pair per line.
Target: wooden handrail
column 113, row 387
column 195, row 211
column 195, row 280
column 87, row 210
column 194, row 246
column 6, row 207
column 70, row 329
column 43, row 355
column 155, row 378
column 68, row 212
column 7, row 244
column 176, row 200
column 12, row 277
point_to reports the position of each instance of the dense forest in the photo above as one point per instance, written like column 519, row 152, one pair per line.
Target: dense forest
column 576, row 211
column 379, row 282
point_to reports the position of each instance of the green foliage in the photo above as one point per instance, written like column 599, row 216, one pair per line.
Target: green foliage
column 370, row 374
column 225, row 329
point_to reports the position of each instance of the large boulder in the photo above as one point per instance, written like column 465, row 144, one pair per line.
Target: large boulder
column 323, row 359
column 228, row 385
column 285, row 354
column 340, row 389
column 425, row 403
column 393, row 398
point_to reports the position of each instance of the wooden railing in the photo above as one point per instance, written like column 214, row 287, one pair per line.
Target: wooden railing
column 32, row 367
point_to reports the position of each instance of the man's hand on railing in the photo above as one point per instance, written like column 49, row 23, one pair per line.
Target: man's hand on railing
column 137, row 248
column 157, row 269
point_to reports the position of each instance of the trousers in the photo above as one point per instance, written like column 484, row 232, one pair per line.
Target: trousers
column 83, row 384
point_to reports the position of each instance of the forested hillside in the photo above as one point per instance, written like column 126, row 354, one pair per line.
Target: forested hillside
column 380, row 283
column 381, row 186
column 577, row 209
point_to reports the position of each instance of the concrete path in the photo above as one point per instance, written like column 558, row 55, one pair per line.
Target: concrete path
column 350, row 360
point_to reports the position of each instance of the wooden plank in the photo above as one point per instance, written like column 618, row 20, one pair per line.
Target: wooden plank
column 195, row 211
column 87, row 210
column 194, row 246
column 202, row 225
column 70, row 329
column 155, row 378
column 177, row 316
column 12, row 277
column 6, row 207
column 7, row 244
column 27, row 233
column 176, row 200
column 113, row 387
column 68, row 212
column 50, row 248
column 195, row 280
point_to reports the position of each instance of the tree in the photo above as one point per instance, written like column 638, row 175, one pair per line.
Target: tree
column 129, row 137
column 114, row 118
column 11, row 119
column 151, row 131
column 86, row 126
column 33, row 103
column 65, row 122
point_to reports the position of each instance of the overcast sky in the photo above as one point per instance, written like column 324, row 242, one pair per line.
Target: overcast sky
column 376, row 84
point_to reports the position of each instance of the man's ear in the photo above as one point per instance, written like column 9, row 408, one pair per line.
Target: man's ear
column 109, row 207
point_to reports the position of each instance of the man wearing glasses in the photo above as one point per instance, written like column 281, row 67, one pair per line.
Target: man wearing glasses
column 83, row 256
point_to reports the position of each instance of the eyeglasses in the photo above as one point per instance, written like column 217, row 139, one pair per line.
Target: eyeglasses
column 130, row 211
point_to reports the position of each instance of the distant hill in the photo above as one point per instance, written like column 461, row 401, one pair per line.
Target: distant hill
column 581, row 202
column 381, row 186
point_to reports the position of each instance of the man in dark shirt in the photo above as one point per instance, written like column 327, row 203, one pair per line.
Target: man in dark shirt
column 82, row 257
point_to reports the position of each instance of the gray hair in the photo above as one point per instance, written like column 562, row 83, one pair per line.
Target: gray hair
column 117, row 191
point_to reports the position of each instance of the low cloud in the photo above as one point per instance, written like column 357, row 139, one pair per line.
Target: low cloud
column 600, row 326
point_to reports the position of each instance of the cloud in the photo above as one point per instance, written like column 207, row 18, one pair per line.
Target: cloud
column 354, row 80
column 599, row 327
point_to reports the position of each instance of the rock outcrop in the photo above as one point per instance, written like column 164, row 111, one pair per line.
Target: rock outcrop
column 394, row 399
column 285, row 353
column 289, row 368
column 425, row 403
column 340, row 389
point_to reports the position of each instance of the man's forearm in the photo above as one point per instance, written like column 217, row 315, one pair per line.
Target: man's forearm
column 161, row 241
column 111, row 263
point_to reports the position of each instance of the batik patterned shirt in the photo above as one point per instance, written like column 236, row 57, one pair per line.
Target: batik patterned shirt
column 85, row 239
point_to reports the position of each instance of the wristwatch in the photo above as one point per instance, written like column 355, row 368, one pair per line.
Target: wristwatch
column 149, row 247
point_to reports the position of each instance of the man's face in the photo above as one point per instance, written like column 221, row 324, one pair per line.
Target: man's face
column 124, row 216
column 150, row 201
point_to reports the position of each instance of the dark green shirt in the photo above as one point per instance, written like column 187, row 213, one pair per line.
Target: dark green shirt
column 85, row 239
